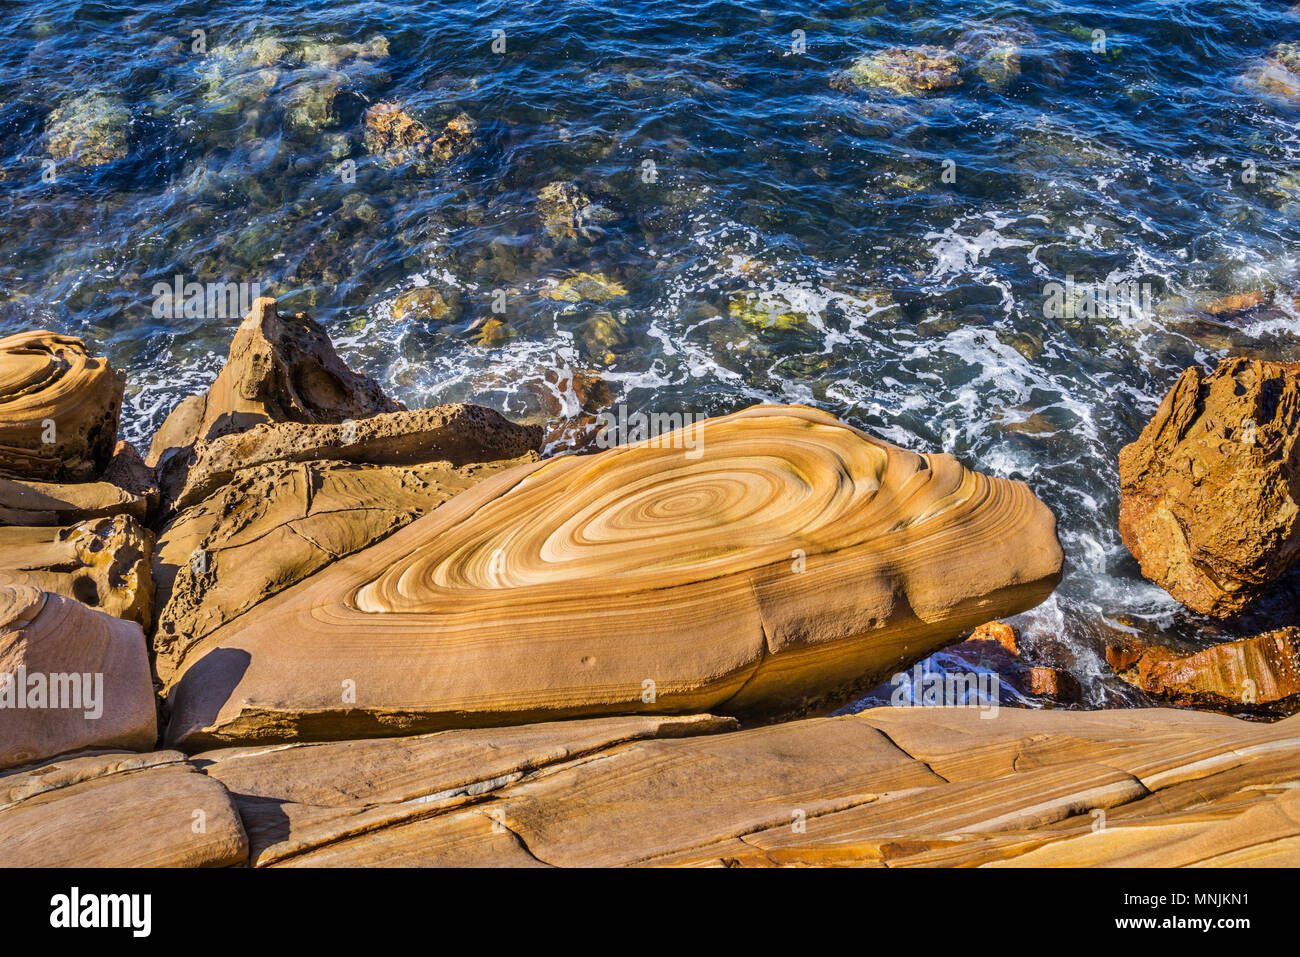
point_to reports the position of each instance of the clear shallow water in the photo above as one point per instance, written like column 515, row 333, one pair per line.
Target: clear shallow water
column 917, row 303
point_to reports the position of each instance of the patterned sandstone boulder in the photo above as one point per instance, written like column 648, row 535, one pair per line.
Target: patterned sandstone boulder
column 766, row 562
column 59, row 407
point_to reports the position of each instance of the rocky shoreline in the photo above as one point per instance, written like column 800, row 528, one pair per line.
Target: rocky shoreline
column 364, row 634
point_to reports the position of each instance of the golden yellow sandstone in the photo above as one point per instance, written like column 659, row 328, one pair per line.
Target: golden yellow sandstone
column 772, row 562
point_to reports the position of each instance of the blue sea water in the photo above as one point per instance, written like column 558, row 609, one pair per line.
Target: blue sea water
column 899, row 244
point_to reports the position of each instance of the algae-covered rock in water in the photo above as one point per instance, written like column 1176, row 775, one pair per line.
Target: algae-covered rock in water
column 309, row 103
column 567, row 212
column 492, row 333
column 1278, row 73
column 993, row 52
column 910, row 70
column 588, row 286
column 603, row 338
column 397, row 138
column 422, row 303
column 765, row 313
column 89, row 130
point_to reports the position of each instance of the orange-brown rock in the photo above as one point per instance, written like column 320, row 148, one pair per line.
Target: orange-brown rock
column 771, row 561
column 459, row 433
column 70, row 678
column 274, row 525
column 1055, row 683
column 1231, row 306
column 59, row 408
column 998, row 631
column 1210, row 491
column 280, row 369
column 115, row 809
column 1234, row 675
column 1123, row 655
column 103, row 563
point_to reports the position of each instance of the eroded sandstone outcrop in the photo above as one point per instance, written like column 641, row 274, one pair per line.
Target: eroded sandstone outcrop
column 933, row 786
column 70, row 678
column 1211, row 489
column 103, row 563
column 59, row 407
column 459, row 434
column 768, row 562
column 127, row 487
column 280, row 369
column 55, row 503
column 301, row 798
column 274, row 525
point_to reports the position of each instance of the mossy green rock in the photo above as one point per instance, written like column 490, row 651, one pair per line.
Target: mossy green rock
column 89, row 130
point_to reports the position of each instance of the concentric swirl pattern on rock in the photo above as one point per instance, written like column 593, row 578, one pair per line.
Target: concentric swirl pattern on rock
column 655, row 514
column 59, row 407
column 792, row 561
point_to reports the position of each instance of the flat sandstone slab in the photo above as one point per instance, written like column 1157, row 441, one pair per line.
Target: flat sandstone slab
column 112, row 809
column 889, row 786
column 299, row 797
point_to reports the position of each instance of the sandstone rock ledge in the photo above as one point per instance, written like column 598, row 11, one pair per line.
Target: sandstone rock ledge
column 113, row 809
column 794, row 560
column 896, row 787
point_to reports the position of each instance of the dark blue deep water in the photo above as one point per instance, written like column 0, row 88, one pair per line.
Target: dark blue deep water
column 762, row 230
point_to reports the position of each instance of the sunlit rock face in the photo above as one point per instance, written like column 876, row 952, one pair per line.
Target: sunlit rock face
column 766, row 562
column 59, row 407
column 70, row 678
column 1211, row 488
